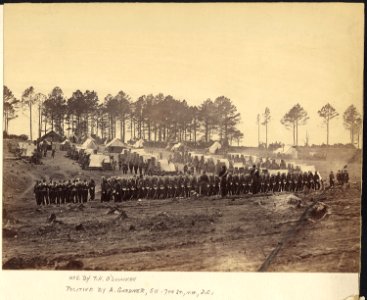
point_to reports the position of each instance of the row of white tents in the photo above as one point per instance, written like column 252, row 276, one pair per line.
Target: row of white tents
column 212, row 149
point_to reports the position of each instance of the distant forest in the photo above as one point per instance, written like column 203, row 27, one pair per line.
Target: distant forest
column 156, row 118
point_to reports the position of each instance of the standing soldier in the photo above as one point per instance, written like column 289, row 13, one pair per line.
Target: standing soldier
column 203, row 184
column 124, row 167
column 194, row 184
column 104, row 190
column 74, row 192
column 187, row 186
column 345, row 176
column 37, row 192
column 316, row 179
column 51, row 192
column 64, row 192
column 131, row 165
column 59, row 192
column 223, row 181
column 136, row 166
column 79, row 191
column 339, row 177
column 45, row 194
column 85, row 191
column 92, row 189
column 331, row 179
column 118, row 194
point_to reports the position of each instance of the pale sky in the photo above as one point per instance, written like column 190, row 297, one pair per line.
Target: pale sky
column 258, row 55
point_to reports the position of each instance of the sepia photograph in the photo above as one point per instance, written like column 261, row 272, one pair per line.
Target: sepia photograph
column 183, row 137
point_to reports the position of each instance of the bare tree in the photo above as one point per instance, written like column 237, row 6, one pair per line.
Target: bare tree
column 295, row 117
column 28, row 100
column 266, row 120
column 327, row 112
column 351, row 116
column 9, row 107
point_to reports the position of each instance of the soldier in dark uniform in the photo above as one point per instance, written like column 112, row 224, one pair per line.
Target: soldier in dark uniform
column 168, row 187
column 223, row 181
column 194, row 184
column 155, row 190
column 85, row 191
column 331, row 179
column 64, row 192
column 125, row 167
column 79, row 191
column 230, row 184
column 236, row 184
column 117, row 190
column 266, row 182
column 256, row 182
column 288, row 184
column 140, row 168
column 179, row 183
column 37, row 192
column 104, row 190
column 345, row 176
column 340, row 177
column 132, row 188
column 72, row 191
column 272, row 183
column 52, row 192
column 241, row 184
column 211, row 185
column 131, row 166
column 136, row 166
column 283, row 182
column 187, row 184
column 262, row 183
column 277, row 183
column 311, row 183
column 316, row 179
column 203, row 184
column 216, row 185
column 92, row 189
column 59, row 189
column 159, row 189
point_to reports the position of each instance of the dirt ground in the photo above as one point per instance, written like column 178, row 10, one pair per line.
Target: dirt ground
column 281, row 232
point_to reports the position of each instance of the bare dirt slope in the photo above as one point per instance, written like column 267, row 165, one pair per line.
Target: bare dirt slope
column 207, row 234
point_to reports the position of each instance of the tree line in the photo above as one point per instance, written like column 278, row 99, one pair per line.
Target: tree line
column 157, row 118
column 150, row 117
column 298, row 116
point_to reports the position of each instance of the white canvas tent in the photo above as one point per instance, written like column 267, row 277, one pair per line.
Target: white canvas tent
column 166, row 166
column 287, row 150
column 97, row 161
column 238, row 165
column 225, row 161
column 139, row 143
column 89, row 144
column 65, row 142
column 214, row 147
column 115, row 146
column 177, row 147
column 29, row 150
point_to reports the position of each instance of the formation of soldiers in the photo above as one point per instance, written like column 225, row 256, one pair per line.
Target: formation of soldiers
column 342, row 176
column 194, row 164
column 64, row 191
column 226, row 183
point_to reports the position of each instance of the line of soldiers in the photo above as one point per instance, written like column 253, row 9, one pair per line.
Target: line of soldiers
column 342, row 176
column 64, row 191
column 226, row 183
